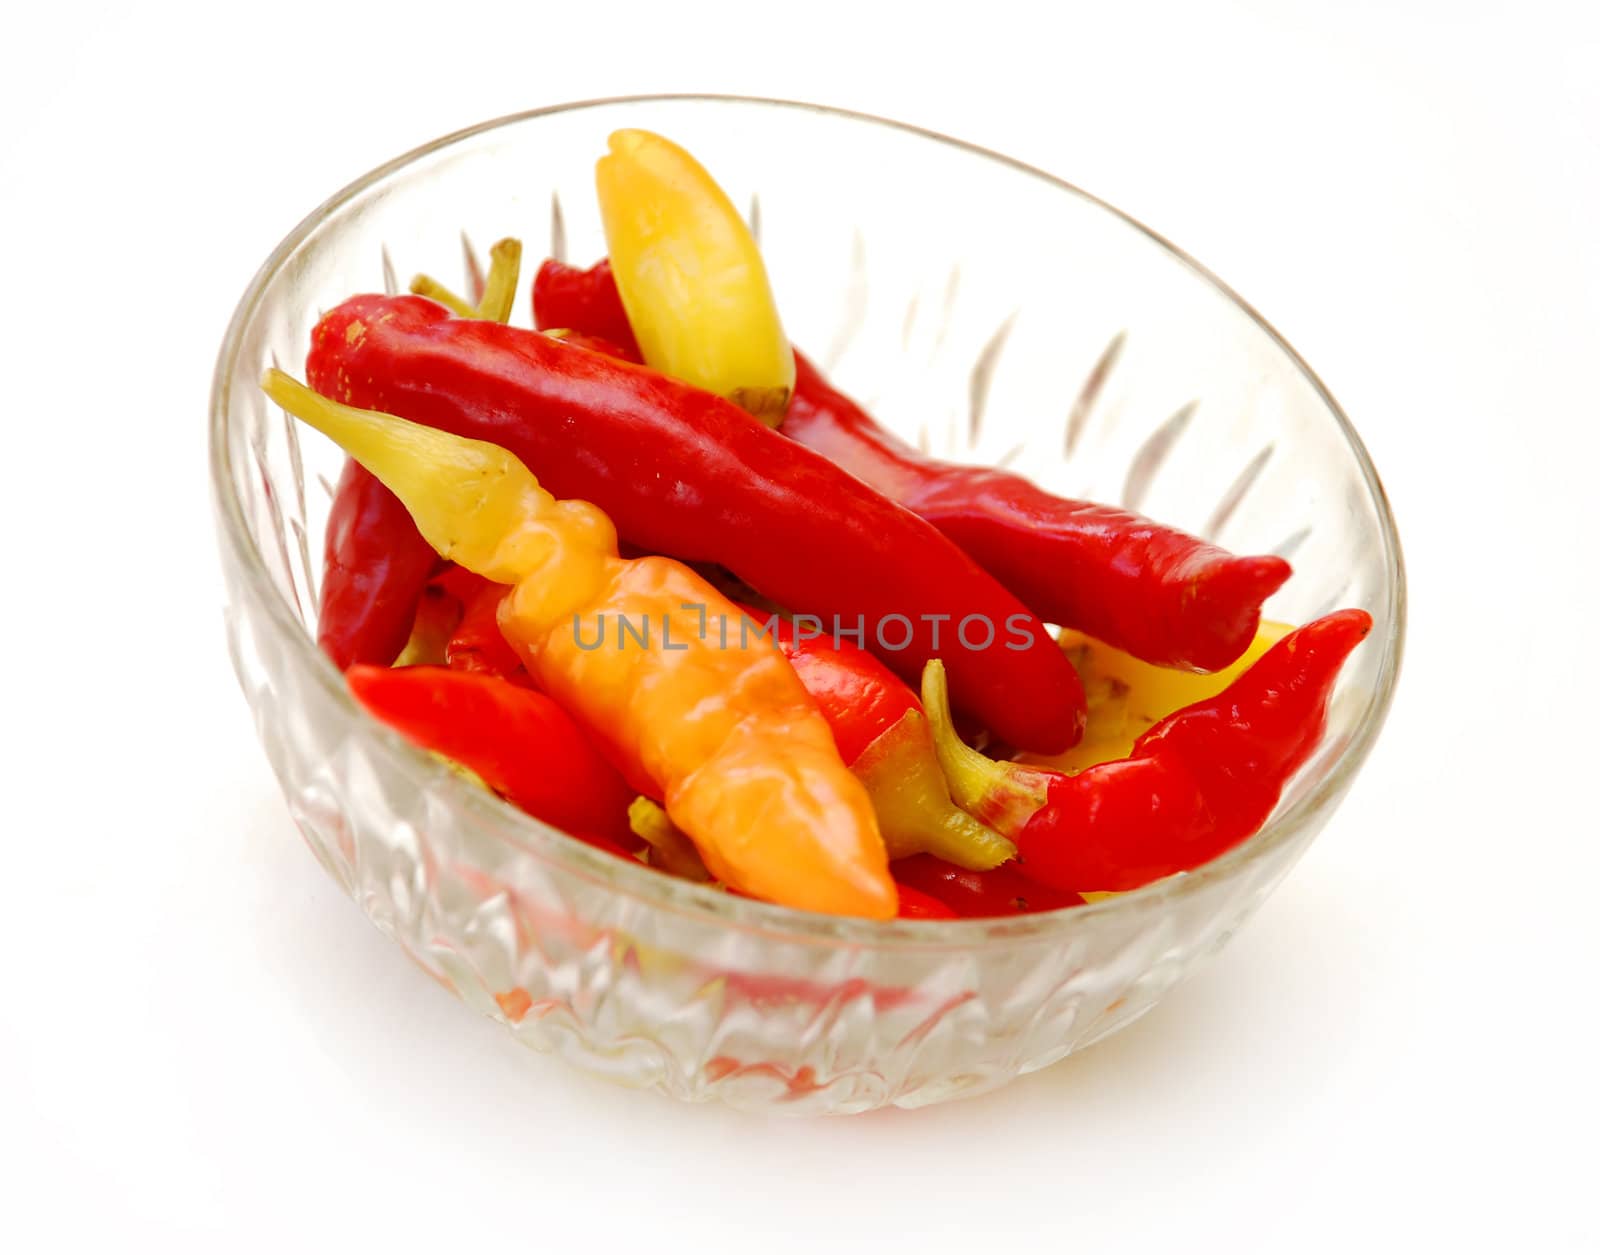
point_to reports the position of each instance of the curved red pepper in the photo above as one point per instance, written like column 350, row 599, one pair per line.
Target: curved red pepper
column 1150, row 590
column 1002, row 890
column 375, row 567
column 685, row 473
column 519, row 742
column 1196, row 784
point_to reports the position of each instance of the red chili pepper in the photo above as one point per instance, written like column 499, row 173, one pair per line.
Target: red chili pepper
column 914, row 904
column 1149, row 590
column 686, row 473
column 479, row 644
column 1001, row 890
column 375, row 567
column 1152, row 591
column 519, row 742
column 1196, row 784
column 588, row 302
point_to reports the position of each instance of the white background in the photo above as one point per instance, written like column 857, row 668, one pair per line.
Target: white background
column 204, row 1043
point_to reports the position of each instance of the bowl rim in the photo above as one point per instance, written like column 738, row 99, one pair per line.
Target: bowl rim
column 711, row 906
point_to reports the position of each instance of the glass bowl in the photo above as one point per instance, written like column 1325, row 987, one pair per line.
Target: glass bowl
column 982, row 309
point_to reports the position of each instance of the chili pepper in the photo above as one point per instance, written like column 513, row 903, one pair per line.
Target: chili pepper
column 979, row 894
column 1159, row 594
column 478, row 643
column 690, row 275
column 883, row 736
column 1155, row 592
column 686, row 473
column 1195, row 785
column 522, row 745
column 1127, row 697
column 375, row 567
column 727, row 737
column 586, row 302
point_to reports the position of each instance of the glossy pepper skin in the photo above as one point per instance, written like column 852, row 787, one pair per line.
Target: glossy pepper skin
column 683, row 472
column 1159, row 594
column 1196, row 784
column 979, row 894
column 375, row 567
column 691, row 276
column 584, row 301
column 883, row 736
column 520, row 743
column 727, row 737
column 1155, row 592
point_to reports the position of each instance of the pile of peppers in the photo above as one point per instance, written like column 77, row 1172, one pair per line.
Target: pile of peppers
column 641, row 571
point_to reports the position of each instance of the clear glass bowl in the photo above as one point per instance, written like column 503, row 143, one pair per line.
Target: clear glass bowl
column 985, row 310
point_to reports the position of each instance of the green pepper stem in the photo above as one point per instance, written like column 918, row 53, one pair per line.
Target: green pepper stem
column 500, row 290
column 999, row 793
column 912, row 799
column 428, row 286
column 468, row 498
column 962, row 840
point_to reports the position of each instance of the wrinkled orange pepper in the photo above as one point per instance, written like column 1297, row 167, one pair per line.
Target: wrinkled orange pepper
column 721, row 730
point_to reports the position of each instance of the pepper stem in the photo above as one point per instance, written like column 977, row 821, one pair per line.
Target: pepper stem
column 468, row 498
column 428, row 286
column 999, row 793
column 500, row 290
column 912, row 800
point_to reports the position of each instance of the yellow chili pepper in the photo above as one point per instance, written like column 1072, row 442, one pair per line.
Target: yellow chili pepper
column 1127, row 697
column 723, row 731
column 691, row 276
